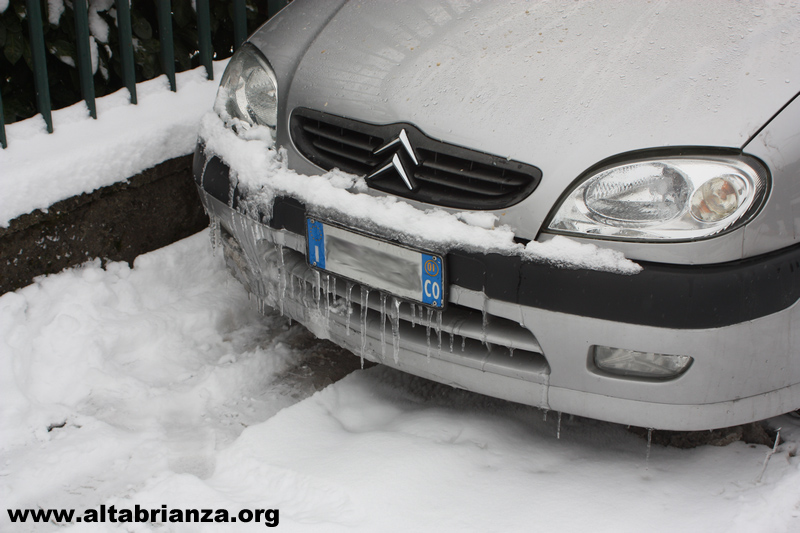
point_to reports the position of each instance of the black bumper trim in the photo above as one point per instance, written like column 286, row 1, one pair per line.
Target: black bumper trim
column 661, row 295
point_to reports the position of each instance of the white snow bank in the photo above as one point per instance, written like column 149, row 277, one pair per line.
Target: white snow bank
column 109, row 377
column 263, row 174
column 38, row 169
column 157, row 385
column 383, row 451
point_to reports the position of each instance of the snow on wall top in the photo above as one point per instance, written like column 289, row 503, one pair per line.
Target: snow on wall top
column 39, row 169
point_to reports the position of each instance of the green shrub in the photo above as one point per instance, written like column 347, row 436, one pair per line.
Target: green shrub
column 16, row 68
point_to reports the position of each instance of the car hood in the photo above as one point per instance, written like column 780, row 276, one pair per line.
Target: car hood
column 561, row 86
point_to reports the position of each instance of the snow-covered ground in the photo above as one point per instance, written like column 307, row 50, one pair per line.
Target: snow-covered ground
column 160, row 385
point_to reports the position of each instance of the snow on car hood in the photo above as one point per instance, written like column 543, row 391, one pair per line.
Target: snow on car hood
column 541, row 81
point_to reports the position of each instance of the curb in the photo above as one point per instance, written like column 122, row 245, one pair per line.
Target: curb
column 116, row 223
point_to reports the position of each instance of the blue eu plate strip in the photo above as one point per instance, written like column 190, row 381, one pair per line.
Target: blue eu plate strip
column 432, row 286
column 316, row 243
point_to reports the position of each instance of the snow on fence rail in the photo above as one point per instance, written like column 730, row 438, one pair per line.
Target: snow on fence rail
column 123, row 18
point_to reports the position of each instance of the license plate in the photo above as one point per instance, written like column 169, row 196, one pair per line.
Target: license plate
column 400, row 271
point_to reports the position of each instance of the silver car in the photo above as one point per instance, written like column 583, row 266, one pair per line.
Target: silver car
column 588, row 207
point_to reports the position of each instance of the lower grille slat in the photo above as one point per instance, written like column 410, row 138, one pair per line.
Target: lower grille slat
column 361, row 142
column 491, row 178
column 359, row 157
column 462, row 184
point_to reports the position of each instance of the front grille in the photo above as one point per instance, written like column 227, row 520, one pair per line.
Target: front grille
column 445, row 175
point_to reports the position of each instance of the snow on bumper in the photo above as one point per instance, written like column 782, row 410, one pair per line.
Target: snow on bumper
column 514, row 328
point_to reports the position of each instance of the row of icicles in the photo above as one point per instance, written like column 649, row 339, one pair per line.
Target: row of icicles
column 324, row 289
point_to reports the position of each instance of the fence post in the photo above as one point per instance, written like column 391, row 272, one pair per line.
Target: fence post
column 126, row 46
column 204, row 36
column 3, row 141
column 239, row 23
column 34, row 14
column 84, row 54
column 164, row 12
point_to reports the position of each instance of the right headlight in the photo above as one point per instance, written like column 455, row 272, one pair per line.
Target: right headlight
column 674, row 198
column 248, row 91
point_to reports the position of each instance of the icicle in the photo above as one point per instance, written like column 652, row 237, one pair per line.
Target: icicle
column 234, row 181
column 649, row 442
column 347, row 292
column 282, row 277
column 396, row 330
column 486, row 358
column 214, row 233
column 511, row 351
column 558, row 427
column 484, row 320
column 770, row 453
column 545, row 387
column 327, row 302
column 413, row 314
column 383, row 324
column 544, row 416
column 428, row 330
column 317, row 288
column 451, row 342
column 333, row 305
column 439, row 332
column 463, row 343
column 364, row 309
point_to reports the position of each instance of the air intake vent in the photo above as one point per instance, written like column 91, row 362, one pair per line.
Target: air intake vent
column 435, row 172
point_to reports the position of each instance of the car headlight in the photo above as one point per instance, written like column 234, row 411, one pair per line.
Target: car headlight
column 248, row 91
column 677, row 198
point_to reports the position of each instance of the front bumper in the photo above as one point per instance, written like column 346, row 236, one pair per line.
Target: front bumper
column 523, row 331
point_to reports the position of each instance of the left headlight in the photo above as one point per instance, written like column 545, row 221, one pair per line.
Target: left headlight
column 248, row 91
column 676, row 199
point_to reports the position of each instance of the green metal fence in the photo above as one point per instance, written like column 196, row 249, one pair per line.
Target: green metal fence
column 126, row 50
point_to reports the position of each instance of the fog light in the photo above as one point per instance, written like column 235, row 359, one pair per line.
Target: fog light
column 640, row 364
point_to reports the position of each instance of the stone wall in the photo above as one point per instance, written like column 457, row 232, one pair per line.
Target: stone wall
column 117, row 223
